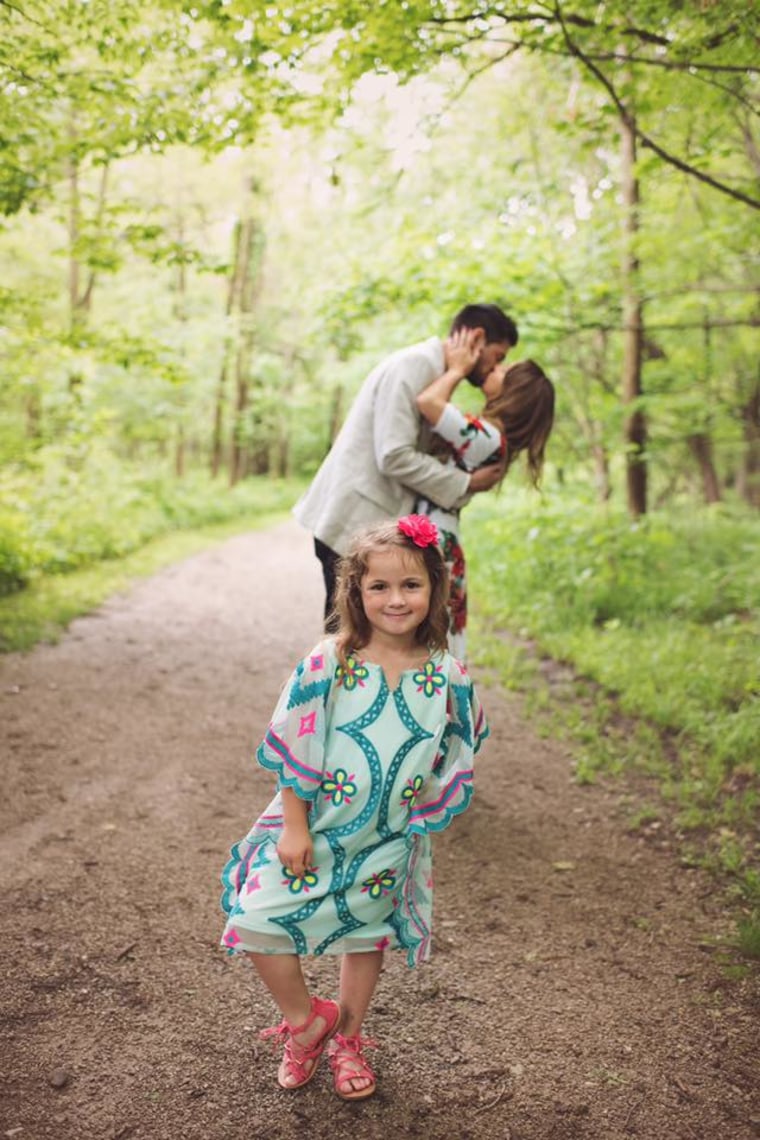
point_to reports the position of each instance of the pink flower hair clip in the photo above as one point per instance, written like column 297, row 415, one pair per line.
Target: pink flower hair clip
column 420, row 529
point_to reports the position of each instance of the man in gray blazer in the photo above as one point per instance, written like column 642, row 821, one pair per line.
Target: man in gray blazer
column 380, row 459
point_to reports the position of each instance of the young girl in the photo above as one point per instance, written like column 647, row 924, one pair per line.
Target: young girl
column 517, row 416
column 372, row 742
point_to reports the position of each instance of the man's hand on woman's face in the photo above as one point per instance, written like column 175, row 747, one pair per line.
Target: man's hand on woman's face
column 462, row 350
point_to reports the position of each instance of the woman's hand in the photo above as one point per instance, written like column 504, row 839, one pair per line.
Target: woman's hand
column 460, row 356
column 488, row 476
column 296, row 848
column 462, row 350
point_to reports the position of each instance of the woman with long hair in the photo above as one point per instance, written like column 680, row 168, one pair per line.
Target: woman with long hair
column 516, row 418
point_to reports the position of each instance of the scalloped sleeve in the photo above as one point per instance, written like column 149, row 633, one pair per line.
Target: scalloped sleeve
column 448, row 790
column 293, row 746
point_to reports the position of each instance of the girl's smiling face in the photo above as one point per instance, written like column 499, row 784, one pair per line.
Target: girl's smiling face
column 395, row 592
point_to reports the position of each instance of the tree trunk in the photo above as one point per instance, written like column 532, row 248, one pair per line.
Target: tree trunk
column 76, row 318
column 84, row 302
column 254, row 457
column 283, row 453
column 701, row 448
column 75, row 225
column 180, row 313
column 602, row 473
column 244, row 349
column 700, row 440
column 179, row 451
column 748, row 482
column 217, row 441
column 80, row 300
column 599, row 448
column 217, row 435
column 632, row 388
column 33, row 414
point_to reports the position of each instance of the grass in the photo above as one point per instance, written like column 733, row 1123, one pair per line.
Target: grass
column 72, row 533
column 65, row 512
column 655, row 626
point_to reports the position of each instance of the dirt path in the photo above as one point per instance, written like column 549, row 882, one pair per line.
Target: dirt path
column 572, row 992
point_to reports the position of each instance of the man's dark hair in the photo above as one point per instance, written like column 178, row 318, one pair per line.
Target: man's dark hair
column 496, row 324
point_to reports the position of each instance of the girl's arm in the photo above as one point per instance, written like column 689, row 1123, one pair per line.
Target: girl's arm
column 460, row 357
column 296, row 847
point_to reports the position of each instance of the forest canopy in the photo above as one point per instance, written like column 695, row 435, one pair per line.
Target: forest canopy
column 216, row 217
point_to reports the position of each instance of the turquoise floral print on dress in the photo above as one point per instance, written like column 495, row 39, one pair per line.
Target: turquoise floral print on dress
column 339, row 787
column 298, row 883
column 381, row 741
column 412, row 790
column 380, row 884
column 353, row 674
column 429, row 680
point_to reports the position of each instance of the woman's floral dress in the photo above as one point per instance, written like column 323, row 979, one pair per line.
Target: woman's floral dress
column 473, row 443
column 381, row 770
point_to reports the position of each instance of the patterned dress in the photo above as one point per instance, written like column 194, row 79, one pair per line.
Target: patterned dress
column 381, row 770
column 473, row 443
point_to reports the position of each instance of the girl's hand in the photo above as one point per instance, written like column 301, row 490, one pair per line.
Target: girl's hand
column 462, row 350
column 296, row 848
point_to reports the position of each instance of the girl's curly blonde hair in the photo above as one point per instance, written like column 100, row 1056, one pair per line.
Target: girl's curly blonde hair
column 353, row 628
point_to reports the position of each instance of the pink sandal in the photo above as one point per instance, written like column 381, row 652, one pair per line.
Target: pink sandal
column 296, row 1057
column 348, row 1063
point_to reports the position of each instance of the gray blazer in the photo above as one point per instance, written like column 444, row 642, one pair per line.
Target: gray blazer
column 379, row 462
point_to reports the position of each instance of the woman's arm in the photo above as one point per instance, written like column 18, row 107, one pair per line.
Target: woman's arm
column 460, row 357
column 296, row 847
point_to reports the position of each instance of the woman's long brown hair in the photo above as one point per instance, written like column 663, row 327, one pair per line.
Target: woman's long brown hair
column 524, row 411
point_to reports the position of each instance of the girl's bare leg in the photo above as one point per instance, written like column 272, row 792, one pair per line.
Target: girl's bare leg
column 283, row 977
column 359, row 975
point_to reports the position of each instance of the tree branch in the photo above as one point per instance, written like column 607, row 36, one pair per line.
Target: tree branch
column 687, row 168
column 670, row 64
column 671, row 326
column 643, row 138
column 546, row 15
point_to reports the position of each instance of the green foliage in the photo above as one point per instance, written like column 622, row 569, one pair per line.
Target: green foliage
column 672, row 58
column 663, row 615
column 16, row 551
column 376, row 226
column 599, row 569
column 748, row 935
column 41, row 611
column 91, row 83
column 65, row 514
